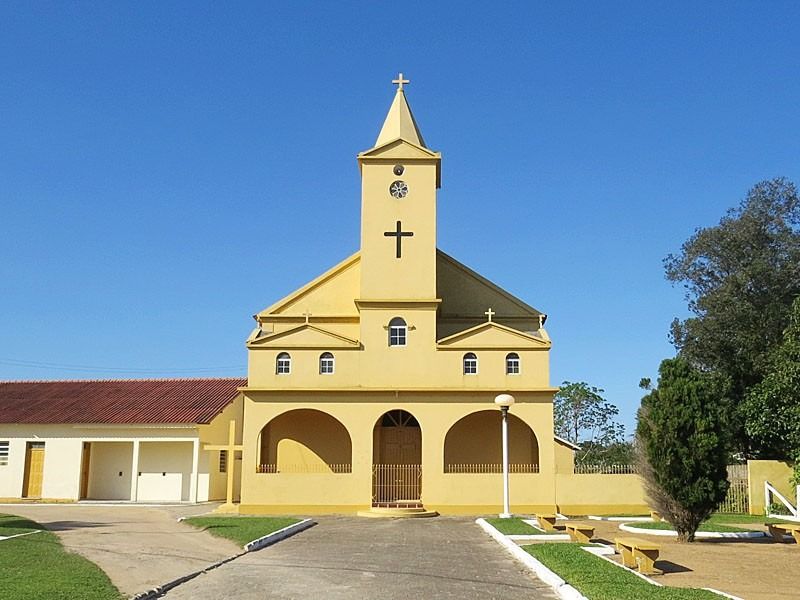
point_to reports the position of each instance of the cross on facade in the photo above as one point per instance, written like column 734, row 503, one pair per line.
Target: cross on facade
column 490, row 313
column 400, row 81
column 399, row 234
column 231, row 447
column 307, row 315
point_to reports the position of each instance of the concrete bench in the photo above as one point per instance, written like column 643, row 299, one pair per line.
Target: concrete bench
column 547, row 522
column 579, row 532
column 777, row 531
column 638, row 553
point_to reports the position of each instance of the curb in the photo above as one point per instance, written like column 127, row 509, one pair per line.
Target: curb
column 257, row 544
column 564, row 590
column 277, row 536
column 700, row 534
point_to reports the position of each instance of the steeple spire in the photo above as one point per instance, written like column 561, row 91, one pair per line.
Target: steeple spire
column 400, row 123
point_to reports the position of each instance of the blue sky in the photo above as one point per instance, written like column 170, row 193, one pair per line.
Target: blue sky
column 169, row 169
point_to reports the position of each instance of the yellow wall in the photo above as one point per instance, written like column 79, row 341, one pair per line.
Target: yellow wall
column 600, row 494
column 213, row 484
column 565, row 459
column 777, row 473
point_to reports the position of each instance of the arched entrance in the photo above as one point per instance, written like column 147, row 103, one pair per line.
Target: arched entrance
column 396, row 459
column 474, row 445
column 305, row 440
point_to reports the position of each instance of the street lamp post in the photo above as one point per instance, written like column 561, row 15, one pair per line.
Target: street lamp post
column 505, row 401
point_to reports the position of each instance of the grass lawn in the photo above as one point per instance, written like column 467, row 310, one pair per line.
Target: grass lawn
column 717, row 522
column 706, row 526
column 739, row 518
column 241, row 529
column 516, row 526
column 598, row 579
column 37, row 567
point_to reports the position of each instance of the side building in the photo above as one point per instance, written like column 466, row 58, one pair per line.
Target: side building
column 124, row 440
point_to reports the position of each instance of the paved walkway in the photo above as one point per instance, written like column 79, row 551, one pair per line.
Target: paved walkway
column 138, row 547
column 348, row 557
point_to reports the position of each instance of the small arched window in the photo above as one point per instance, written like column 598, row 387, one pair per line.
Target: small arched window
column 397, row 332
column 470, row 364
column 283, row 364
column 512, row 363
column 326, row 363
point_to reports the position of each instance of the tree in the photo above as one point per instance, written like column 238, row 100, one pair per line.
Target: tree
column 741, row 277
column 586, row 419
column 682, row 445
column 772, row 407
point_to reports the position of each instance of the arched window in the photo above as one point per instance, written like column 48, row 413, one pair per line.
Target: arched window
column 326, row 363
column 397, row 332
column 512, row 363
column 470, row 364
column 283, row 364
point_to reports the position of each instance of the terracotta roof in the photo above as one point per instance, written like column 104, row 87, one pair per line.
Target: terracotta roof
column 116, row 401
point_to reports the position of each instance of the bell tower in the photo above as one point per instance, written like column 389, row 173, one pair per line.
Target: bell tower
column 399, row 179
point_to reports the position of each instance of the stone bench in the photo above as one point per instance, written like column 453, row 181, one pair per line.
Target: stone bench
column 638, row 553
column 777, row 531
column 579, row 532
column 547, row 522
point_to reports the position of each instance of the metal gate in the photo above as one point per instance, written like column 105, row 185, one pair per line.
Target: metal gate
column 738, row 498
column 396, row 483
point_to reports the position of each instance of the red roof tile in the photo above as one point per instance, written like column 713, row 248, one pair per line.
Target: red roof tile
column 116, row 401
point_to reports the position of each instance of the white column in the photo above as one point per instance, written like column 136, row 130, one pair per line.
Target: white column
column 135, row 472
column 506, row 509
column 194, row 484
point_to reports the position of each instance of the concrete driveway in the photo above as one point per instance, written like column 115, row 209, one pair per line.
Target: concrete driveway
column 138, row 547
column 348, row 557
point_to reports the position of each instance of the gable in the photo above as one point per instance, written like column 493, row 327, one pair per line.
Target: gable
column 493, row 335
column 466, row 296
column 304, row 336
column 399, row 149
column 330, row 294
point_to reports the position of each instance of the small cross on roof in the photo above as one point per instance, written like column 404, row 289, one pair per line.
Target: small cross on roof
column 400, row 81
column 490, row 313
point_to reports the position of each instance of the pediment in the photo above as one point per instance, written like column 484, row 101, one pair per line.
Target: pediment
column 305, row 336
column 465, row 293
column 399, row 148
column 492, row 335
column 331, row 293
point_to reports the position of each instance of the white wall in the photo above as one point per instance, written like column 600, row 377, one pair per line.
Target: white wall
column 165, row 471
column 62, row 468
column 110, row 465
column 11, row 474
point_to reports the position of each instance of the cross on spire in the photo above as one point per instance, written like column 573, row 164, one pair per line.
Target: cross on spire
column 398, row 234
column 400, row 81
column 490, row 313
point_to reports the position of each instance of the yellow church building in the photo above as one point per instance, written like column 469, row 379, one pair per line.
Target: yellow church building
column 374, row 384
